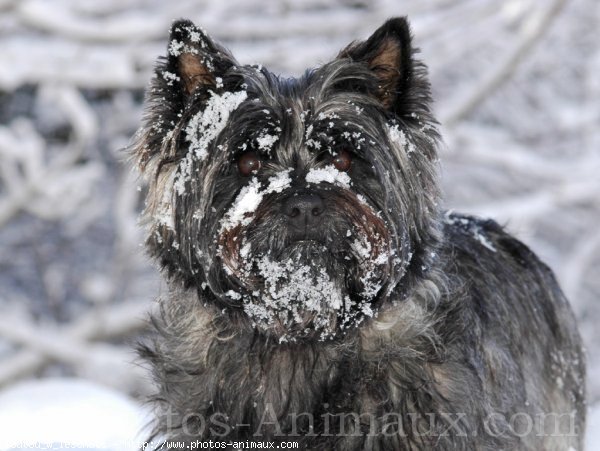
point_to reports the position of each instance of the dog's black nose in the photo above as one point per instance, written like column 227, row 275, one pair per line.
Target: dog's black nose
column 303, row 210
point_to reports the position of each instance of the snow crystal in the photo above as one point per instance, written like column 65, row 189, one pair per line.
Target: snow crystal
column 367, row 310
column 362, row 248
column 370, row 284
column 328, row 174
column 194, row 36
column 308, row 131
column 265, row 141
column 170, row 77
column 371, row 263
column 311, row 143
column 399, row 137
column 245, row 250
column 330, row 115
column 203, row 128
column 176, row 47
column 233, row 295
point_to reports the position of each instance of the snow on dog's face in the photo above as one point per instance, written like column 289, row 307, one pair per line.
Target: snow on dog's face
column 287, row 201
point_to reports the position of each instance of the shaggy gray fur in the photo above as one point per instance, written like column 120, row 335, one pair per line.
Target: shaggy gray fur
column 433, row 330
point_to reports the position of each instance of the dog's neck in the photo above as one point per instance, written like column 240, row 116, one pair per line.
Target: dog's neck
column 274, row 381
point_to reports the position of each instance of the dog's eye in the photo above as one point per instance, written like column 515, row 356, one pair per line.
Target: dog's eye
column 248, row 163
column 342, row 160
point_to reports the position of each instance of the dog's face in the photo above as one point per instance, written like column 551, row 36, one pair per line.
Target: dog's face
column 298, row 205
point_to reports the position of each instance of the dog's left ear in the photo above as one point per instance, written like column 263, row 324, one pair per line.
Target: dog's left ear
column 195, row 58
column 388, row 54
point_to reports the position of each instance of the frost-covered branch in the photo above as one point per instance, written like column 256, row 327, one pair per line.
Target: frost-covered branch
column 532, row 30
column 535, row 204
column 76, row 345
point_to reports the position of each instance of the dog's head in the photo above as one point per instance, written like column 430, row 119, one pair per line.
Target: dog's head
column 299, row 204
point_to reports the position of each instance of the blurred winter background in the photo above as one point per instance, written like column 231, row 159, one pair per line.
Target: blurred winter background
column 517, row 88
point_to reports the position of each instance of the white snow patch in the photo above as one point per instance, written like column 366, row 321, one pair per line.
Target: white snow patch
column 592, row 439
column 203, row 128
column 328, row 174
column 279, row 182
column 194, row 36
column 250, row 197
column 361, row 199
column 312, row 144
column 176, row 47
column 72, row 412
column 233, row 295
column 300, row 286
column 362, row 248
column 170, row 77
column 399, row 137
column 290, row 289
column 246, row 202
column 367, row 310
column 295, row 291
column 265, row 141
column 308, row 132
column 371, row 264
column 245, row 250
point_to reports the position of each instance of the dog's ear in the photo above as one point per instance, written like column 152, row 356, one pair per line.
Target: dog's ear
column 196, row 60
column 388, row 54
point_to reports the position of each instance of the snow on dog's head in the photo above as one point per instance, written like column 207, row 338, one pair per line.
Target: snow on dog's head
column 287, row 202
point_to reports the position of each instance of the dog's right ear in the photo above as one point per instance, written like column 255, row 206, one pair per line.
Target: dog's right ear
column 195, row 59
column 402, row 85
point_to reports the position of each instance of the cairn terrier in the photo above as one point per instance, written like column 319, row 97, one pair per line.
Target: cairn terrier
column 318, row 294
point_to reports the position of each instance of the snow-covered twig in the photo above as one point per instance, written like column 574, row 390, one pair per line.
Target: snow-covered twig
column 536, row 204
column 532, row 31
column 74, row 345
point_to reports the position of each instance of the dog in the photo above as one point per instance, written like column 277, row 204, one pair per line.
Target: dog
column 318, row 293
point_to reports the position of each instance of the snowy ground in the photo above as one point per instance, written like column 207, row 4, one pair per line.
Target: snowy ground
column 517, row 89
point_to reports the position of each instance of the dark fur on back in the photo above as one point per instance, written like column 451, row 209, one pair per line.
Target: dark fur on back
column 422, row 329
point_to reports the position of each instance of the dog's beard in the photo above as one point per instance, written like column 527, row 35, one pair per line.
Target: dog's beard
column 317, row 287
column 298, row 293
